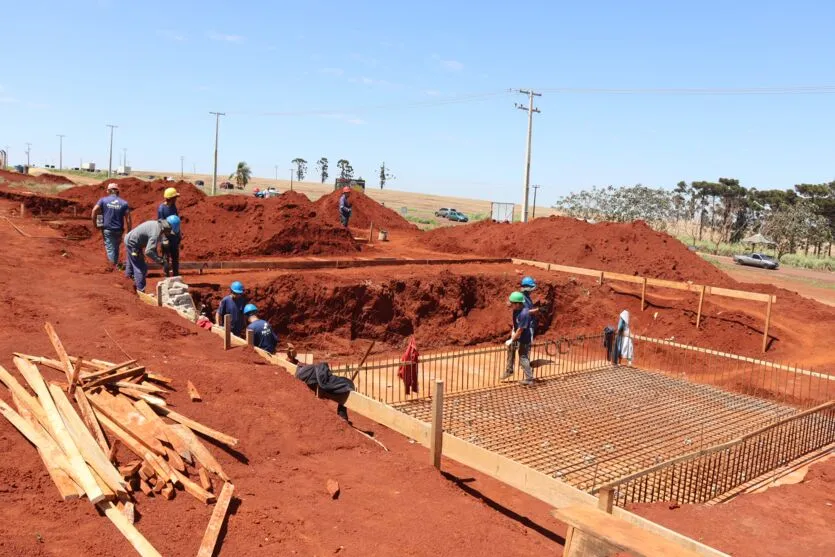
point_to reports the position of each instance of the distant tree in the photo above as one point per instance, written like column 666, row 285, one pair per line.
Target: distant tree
column 322, row 167
column 792, row 224
column 346, row 171
column 301, row 168
column 242, row 174
column 385, row 175
column 629, row 203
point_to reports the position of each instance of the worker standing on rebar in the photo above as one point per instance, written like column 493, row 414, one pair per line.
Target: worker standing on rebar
column 170, row 244
column 263, row 335
column 233, row 305
column 520, row 339
column 111, row 214
column 142, row 241
column 624, row 349
column 345, row 208
column 527, row 286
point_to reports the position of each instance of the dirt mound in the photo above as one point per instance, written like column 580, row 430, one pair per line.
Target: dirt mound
column 54, row 179
column 235, row 225
column 631, row 248
column 15, row 177
column 40, row 203
column 366, row 211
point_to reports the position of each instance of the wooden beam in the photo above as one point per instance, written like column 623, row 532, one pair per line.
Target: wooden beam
column 436, row 439
column 196, row 426
column 90, row 419
column 741, row 294
column 59, row 431
column 701, row 301
column 194, row 489
column 767, row 323
column 132, row 429
column 207, row 546
column 159, row 294
column 21, row 394
column 198, row 450
column 643, row 293
column 193, row 393
column 227, row 332
column 118, row 376
column 106, row 371
column 72, row 372
column 205, row 482
column 137, row 540
column 606, row 500
column 250, row 338
column 389, row 417
column 362, row 361
column 139, row 395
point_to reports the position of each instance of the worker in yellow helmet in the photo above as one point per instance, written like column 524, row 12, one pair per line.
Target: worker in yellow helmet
column 170, row 244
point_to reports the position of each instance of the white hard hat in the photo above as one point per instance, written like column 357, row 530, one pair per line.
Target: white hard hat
column 112, row 186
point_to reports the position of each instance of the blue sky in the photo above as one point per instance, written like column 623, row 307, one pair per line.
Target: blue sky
column 157, row 68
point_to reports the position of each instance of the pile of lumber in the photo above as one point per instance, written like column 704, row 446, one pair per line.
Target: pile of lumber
column 120, row 438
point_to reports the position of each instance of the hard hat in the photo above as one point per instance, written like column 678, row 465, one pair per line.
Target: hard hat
column 529, row 282
column 237, row 287
column 174, row 221
column 517, row 298
column 346, row 189
column 170, row 193
column 112, row 186
column 250, row 308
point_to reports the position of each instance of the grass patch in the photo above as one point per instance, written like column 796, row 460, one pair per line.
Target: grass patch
column 421, row 220
column 800, row 261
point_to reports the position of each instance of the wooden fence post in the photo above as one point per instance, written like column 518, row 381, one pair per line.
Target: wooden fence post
column 701, row 301
column 606, row 499
column 227, row 332
column 159, row 294
column 767, row 323
column 643, row 294
column 22, row 210
column 600, row 280
column 250, row 338
column 436, row 439
column 371, row 233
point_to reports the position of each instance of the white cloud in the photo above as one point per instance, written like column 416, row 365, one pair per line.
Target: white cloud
column 225, row 38
column 337, row 72
column 452, row 65
column 171, row 35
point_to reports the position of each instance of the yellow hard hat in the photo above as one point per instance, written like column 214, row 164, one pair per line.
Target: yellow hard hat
column 170, row 193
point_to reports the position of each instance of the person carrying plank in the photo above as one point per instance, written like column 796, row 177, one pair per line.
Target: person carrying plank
column 263, row 335
column 233, row 305
column 111, row 214
column 142, row 241
column 520, row 339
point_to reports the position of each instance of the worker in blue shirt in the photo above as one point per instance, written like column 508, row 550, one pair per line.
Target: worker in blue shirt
column 114, row 220
column 263, row 335
column 345, row 208
column 170, row 247
column 142, row 242
column 233, row 305
column 527, row 286
column 520, row 339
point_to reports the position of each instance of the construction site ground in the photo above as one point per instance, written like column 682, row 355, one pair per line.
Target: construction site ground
column 291, row 444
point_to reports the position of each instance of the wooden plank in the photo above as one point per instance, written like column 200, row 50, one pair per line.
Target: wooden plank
column 389, row 417
column 767, row 323
column 139, row 395
column 193, row 393
column 643, row 293
column 143, row 387
column 362, row 361
column 606, row 500
column 126, row 432
column 574, row 270
column 118, row 376
column 90, row 419
column 623, row 278
column 137, row 540
column 19, row 392
column 701, row 301
column 87, row 445
column 159, row 294
column 198, row 450
column 195, row 490
column 436, row 439
column 196, row 426
column 529, row 263
column 158, row 378
column 210, row 538
column 106, row 371
column 685, row 286
column 205, row 482
column 741, row 294
column 250, row 338
column 227, row 332
column 58, row 430
column 161, row 465
column 174, row 460
column 72, row 372
column 130, row 468
column 618, row 533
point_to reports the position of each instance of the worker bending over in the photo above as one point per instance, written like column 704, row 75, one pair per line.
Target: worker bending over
column 171, row 245
column 520, row 339
column 233, row 305
column 318, row 378
column 345, row 207
column 143, row 241
column 263, row 335
column 115, row 218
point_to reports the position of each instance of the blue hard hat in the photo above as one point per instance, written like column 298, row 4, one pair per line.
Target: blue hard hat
column 174, row 221
column 250, row 308
column 529, row 282
column 237, row 287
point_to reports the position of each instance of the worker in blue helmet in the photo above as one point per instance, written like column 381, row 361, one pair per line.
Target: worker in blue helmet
column 233, row 305
column 520, row 339
column 263, row 335
column 527, row 286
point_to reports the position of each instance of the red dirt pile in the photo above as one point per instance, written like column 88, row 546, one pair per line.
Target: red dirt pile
column 366, row 211
column 15, row 177
column 632, row 248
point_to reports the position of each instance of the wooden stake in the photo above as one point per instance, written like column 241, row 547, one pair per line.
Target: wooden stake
column 371, row 233
column 643, row 294
column 227, row 332
column 22, row 210
column 159, row 294
column 600, row 280
column 207, row 547
column 90, row 419
column 364, row 357
column 72, row 372
column 205, row 482
column 250, row 338
column 196, row 426
column 436, row 439
column 137, row 540
column 606, row 500
column 701, row 301
column 198, row 450
column 767, row 323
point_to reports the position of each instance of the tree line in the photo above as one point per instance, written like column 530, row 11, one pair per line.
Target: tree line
column 799, row 218
column 346, row 171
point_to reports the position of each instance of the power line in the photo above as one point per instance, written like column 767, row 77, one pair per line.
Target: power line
column 784, row 90
column 530, row 110
column 217, row 130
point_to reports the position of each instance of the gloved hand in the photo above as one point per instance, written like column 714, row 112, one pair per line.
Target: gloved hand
column 508, row 342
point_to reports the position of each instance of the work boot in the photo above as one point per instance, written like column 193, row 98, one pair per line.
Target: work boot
column 342, row 412
column 507, row 373
column 526, row 382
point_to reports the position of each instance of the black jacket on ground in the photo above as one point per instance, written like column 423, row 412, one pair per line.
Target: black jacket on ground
column 319, row 375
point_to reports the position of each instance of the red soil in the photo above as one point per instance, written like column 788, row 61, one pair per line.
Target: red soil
column 366, row 211
column 15, row 177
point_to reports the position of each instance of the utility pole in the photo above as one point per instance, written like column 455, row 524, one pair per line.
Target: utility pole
column 110, row 158
column 291, row 179
column 125, row 154
column 61, row 151
column 276, row 173
column 182, row 158
column 214, row 172
column 28, row 149
column 530, row 110
column 533, row 209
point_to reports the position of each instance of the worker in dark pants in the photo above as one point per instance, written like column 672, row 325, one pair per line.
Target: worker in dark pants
column 520, row 339
column 318, row 378
column 263, row 335
column 233, row 305
column 171, row 244
column 527, row 286
column 114, row 220
column 142, row 241
column 345, row 208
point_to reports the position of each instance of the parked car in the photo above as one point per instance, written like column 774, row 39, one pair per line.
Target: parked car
column 199, row 183
column 266, row 193
column 757, row 260
column 227, row 186
column 454, row 215
column 442, row 212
